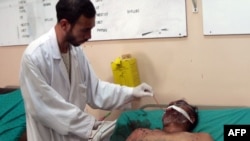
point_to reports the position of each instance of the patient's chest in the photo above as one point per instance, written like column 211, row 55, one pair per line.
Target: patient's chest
column 142, row 134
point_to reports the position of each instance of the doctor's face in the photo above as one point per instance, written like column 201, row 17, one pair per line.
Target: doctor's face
column 80, row 32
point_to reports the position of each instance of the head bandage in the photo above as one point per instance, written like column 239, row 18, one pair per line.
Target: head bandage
column 180, row 110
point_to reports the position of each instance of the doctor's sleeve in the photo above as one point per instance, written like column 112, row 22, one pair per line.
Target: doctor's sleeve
column 103, row 94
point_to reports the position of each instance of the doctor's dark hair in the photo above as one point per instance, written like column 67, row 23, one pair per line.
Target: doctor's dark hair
column 71, row 10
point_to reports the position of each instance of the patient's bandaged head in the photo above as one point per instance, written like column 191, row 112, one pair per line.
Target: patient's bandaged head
column 176, row 114
column 180, row 113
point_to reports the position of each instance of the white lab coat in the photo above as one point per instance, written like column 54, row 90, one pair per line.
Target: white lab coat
column 54, row 106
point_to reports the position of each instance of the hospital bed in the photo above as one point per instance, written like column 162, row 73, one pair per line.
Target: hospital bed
column 12, row 115
column 211, row 119
column 13, row 120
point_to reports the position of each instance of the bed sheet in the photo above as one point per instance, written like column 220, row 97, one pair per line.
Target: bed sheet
column 132, row 119
column 210, row 121
column 12, row 116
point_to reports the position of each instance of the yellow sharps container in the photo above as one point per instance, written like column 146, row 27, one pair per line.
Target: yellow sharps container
column 125, row 71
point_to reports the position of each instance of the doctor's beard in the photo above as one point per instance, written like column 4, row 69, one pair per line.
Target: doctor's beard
column 72, row 39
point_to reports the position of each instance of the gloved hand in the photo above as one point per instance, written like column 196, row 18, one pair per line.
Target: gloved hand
column 142, row 90
column 97, row 124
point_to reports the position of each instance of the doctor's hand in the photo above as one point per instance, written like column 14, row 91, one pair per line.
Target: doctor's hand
column 142, row 90
column 97, row 124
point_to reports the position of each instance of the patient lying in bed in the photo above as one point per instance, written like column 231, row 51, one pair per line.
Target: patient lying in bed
column 179, row 120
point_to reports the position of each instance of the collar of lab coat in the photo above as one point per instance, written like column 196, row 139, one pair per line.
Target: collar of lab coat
column 55, row 47
column 57, row 55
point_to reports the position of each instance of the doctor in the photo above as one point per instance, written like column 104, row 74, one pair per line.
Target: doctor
column 57, row 80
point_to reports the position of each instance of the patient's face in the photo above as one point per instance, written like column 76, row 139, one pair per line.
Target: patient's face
column 174, row 120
